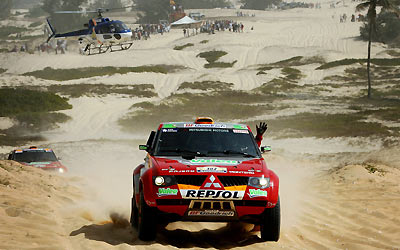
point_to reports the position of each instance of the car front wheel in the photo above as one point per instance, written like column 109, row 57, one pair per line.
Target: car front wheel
column 134, row 213
column 147, row 222
column 271, row 223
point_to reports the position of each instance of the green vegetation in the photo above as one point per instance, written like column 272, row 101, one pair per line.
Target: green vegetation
column 282, row 86
column 393, row 53
column 33, row 111
column 71, row 74
column 183, row 46
column 5, row 31
column 299, row 61
column 2, row 70
column 371, row 168
column 347, row 61
column 292, row 74
column 219, row 64
column 36, row 11
column 212, row 57
column 387, row 28
column 325, row 126
column 204, row 41
column 152, row 11
column 220, row 101
column 18, row 101
column 205, row 4
column 292, row 62
column 35, row 24
column 77, row 90
column 206, row 86
column 5, row 8
column 258, row 5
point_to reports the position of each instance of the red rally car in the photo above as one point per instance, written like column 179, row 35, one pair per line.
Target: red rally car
column 43, row 158
column 204, row 171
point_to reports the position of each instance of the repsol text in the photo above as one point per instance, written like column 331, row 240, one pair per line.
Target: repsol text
column 212, row 194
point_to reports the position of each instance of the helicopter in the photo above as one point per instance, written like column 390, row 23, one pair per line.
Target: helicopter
column 101, row 33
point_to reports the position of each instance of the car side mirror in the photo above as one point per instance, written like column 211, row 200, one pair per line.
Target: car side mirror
column 59, row 158
column 143, row 147
column 9, row 157
column 265, row 149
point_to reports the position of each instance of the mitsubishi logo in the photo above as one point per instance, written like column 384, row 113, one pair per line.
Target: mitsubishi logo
column 212, row 182
column 209, row 184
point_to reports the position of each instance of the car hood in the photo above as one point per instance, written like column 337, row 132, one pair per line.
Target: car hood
column 204, row 165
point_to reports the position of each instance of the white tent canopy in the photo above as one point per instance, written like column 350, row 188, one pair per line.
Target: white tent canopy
column 186, row 22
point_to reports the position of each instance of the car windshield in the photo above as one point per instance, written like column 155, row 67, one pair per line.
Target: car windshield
column 206, row 142
column 35, row 156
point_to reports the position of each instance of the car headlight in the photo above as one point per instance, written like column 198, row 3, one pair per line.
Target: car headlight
column 159, row 180
column 259, row 182
column 166, row 180
column 61, row 170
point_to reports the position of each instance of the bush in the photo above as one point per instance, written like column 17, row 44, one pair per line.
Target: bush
column 36, row 11
column 212, row 56
column 349, row 61
column 387, row 28
column 35, row 24
column 219, row 65
column 18, row 101
column 5, row 31
column 183, row 46
column 71, row 74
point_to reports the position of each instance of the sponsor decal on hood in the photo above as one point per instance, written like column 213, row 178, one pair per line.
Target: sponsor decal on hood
column 209, row 162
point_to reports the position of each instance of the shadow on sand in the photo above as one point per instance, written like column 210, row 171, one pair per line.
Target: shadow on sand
column 119, row 231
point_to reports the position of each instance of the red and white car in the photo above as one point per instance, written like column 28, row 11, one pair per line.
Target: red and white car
column 43, row 158
column 204, row 171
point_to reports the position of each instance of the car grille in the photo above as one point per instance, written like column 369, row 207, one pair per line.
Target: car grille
column 220, row 205
column 195, row 180
column 228, row 181
column 198, row 180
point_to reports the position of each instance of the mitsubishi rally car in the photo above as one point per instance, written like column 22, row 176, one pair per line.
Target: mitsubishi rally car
column 43, row 158
column 204, row 171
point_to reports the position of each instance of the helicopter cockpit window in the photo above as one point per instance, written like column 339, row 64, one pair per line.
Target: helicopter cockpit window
column 112, row 28
column 119, row 26
column 105, row 30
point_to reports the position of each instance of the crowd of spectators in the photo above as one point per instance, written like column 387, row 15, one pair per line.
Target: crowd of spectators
column 144, row 31
column 221, row 25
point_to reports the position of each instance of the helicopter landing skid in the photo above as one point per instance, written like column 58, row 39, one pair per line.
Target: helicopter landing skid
column 95, row 50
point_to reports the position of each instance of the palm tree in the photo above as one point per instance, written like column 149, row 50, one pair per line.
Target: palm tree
column 387, row 5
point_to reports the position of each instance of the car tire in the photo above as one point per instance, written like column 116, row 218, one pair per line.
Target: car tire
column 134, row 213
column 271, row 223
column 147, row 222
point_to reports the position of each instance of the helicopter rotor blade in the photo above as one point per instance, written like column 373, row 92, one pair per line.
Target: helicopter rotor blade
column 74, row 12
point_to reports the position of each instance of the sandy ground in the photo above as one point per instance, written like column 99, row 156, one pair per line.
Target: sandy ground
column 326, row 204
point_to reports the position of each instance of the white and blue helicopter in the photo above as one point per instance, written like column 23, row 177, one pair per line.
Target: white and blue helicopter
column 100, row 36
